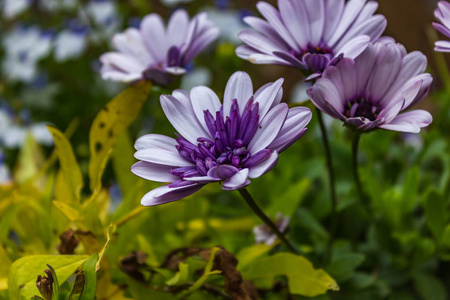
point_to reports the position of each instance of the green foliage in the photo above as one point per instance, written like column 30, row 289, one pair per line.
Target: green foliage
column 23, row 273
column 303, row 279
column 394, row 244
column 109, row 124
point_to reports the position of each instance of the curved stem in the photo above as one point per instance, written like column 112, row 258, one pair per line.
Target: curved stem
column 355, row 144
column 249, row 199
column 332, row 182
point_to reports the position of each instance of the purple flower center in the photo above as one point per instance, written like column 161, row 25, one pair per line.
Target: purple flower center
column 362, row 108
column 321, row 48
column 229, row 146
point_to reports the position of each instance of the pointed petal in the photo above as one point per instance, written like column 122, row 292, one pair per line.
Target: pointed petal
column 203, row 98
column 264, row 167
column 153, row 172
column 333, row 13
column 180, row 113
column 165, row 194
column 153, row 35
column 316, row 16
column 410, row 121
column 268, row 96
column 296, row 121
column 155, row 141
column 295, row 16
column 222, row 171
column 177, row 27
column 274, row 19
column 239, row 87
column 351, row 12
column 162, row 157
column 385, row 71
column 268, row 128
column 237, row 181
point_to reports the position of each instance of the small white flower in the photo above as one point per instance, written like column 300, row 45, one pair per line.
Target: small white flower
column 12, row 8
column 24, row 47
column 229, row 23
column 69, row 44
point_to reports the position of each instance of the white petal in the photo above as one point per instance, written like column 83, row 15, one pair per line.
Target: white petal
column 239, row 87
column 155, row 141
column 237, row 181
column 268, row 96
column 177, row 27
column 296, row 121
column 264, row 167
column 154, row 37
column 180, row 113
column 351, row 11
column 165, row 194
column 269, row 128
column 203, row 98
column 153, row 172
column 162, row 157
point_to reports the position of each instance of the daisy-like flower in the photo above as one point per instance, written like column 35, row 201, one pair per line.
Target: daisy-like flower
column 228, row 142
column 263, row 234
column 442, row 13
column 156, row 53
column 310, row 34
column 371, row 91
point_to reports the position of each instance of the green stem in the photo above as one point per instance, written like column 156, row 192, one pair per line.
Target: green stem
column 355, row 144
column 249, row 199
column 332, row 183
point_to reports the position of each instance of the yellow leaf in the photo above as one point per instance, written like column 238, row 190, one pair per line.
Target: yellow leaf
column 72, row 212
column 115, row 117
column 24, row 271
column 68, row 163
column 111, row 229
column 3, row 284
column 302, row 277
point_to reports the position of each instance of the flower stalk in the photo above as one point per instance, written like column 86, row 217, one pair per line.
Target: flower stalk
column 332, row 183
column 355, row 146
column 249, row 200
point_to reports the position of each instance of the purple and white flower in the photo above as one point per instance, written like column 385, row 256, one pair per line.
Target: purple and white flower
column 156, row 53
column 263, row 234
column 442, row 13
column 310, row 34
column 371, row 91
column 225, row 142
column 24, row 48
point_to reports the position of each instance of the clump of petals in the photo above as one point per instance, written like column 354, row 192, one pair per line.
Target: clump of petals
column 375, row 89
column 226, row 142
column 310, row 34
column 156, row 52
column 442, row 13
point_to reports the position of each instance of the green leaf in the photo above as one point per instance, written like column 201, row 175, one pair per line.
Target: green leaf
column 68, row 163
column 139, row 291
column 303, row 278
column 90, row 285
column 24, row 271
column 410, row 190
column 181, row 276
column 109, row 124
column 78, row 286
column 123, row 159
column 250, row 254
column 288, row 202
column 436, row 213
column 55, row 285
column 445, row 237
column 206, row 273
column 429, row 287
column 343, row 264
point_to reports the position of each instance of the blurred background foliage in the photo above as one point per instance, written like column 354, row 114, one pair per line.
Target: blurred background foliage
column 395, row 244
